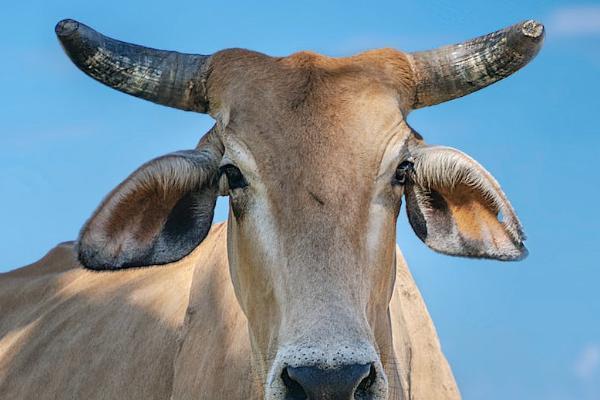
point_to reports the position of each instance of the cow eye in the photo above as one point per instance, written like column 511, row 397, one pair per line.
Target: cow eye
column 235, row 178
column 403, row 172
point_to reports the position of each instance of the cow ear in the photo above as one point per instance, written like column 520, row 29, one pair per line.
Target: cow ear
column 159, row 214
column 456, row 207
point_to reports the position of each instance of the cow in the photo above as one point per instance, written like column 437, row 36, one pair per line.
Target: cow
column 303, row 293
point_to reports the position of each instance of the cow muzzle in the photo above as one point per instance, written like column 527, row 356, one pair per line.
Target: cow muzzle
column 346, row 382
column 343, row 373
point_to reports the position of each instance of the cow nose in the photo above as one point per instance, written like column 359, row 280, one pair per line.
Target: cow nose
column 348, row 382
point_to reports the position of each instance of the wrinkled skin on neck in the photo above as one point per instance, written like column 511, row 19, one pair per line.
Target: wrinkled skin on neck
column 312, row 238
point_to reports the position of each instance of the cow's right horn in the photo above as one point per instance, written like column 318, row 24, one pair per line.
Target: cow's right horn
column 165, row 77
column 454, row 71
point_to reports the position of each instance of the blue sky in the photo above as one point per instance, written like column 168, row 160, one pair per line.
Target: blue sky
column 527, row 330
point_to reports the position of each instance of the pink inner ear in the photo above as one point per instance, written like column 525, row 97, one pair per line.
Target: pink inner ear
column 142, row 212
column 157, row 215
column 462, row 221
column 475, row 217
column 462, row 181
column 463, row 209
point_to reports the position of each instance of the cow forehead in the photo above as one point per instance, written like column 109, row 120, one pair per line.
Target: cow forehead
column 265, row 92
column 319, row 180
column 296, row 112
column 338, row 146
column 315, row 130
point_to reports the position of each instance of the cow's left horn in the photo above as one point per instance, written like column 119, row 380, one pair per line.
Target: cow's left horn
column 165, row 77
column 454, row 71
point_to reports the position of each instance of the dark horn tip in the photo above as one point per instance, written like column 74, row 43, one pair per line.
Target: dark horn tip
column 532, row 29
column 66, row 27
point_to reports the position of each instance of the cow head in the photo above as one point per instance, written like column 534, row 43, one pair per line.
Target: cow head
column 316, row 157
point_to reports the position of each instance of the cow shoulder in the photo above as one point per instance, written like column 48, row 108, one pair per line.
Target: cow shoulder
column 114, row 334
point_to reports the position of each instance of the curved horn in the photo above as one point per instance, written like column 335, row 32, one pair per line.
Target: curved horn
column 454, row 71
column 165, row 77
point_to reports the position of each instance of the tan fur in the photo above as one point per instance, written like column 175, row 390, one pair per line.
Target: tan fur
column 166, row 332
column 69, row 333
column 311, row 275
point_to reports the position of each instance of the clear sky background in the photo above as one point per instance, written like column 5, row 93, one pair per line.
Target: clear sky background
column 527, row 330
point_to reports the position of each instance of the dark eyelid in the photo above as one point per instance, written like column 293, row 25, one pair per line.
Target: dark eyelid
column 225, row 167
column 406, row 165
column 402, row 173
column 234, row 176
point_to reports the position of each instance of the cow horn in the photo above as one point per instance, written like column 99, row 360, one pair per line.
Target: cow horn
column 454, row 71
column 165, row 77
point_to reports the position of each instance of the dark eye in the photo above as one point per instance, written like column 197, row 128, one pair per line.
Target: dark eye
column 235, row 179
column 402, row 173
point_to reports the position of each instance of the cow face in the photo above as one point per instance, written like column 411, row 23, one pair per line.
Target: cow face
column 316, row 157
column 312, row 233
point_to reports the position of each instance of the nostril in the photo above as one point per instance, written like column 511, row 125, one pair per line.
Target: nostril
column 294, row 390
column 351, row 381
column 367, row 382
